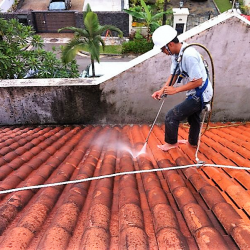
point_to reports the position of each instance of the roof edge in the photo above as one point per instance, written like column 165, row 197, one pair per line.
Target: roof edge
column 212, row 22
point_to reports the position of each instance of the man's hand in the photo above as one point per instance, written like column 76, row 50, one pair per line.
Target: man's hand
column 157, row 94
column 170, row 90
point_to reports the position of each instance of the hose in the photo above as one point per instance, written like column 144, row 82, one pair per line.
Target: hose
column 212, row 80
column 211, row 102
column 7, row 191
column 179, row 59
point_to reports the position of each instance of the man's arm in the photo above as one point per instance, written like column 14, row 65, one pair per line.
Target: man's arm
column 170, row 90
column 157, row 95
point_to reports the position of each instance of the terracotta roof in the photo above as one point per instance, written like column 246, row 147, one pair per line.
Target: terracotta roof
column 189, row 208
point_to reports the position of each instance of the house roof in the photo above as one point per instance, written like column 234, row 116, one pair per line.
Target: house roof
column 247, row 17
column 205, row 207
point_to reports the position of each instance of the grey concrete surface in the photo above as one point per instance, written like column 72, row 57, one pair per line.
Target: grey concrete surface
column 83, row 60
column 125, row 97
column 129, row 93
column 199, row 11
column 51, row 105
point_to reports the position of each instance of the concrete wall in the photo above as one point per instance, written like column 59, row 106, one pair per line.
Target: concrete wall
column 119, row 19
column 125, row 97
column 129, row 94
column 26, row 16
column 227, row 41
column 50, row 102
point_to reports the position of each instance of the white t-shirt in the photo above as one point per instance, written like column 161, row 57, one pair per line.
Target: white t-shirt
column 193, row 65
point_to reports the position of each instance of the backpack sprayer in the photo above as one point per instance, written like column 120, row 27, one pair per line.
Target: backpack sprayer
column 207, row 107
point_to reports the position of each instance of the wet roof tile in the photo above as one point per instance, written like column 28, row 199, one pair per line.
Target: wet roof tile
column 185, row 208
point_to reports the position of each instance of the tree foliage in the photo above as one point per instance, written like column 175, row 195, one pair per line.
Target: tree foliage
column 89, row 37
column 21, row 52
column 148, row 17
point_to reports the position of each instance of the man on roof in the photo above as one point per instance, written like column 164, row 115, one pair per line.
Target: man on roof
column 187, row 67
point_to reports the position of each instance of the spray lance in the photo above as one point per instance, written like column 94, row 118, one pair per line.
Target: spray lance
column 163, row 98
column 208, row 108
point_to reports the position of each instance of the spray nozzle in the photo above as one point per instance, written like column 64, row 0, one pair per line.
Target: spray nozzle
column 164, row 95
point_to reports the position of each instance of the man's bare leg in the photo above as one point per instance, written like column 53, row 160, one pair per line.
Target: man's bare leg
column 165, row 147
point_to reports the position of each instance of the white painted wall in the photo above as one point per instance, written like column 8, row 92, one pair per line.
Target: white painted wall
column 228, row 42
column 103, row 5
column 126, row 4
column 226, row 37
column 5, row 5
column 246, row 2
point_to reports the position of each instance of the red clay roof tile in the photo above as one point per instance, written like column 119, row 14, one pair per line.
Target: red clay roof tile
column 198, row 181
column 22, row 238
column 228, row 217
column 209, row 238
column 195, row 217
column 5, row 171
column 211, row 195
column 171, row 238
column 239, row 234
column 190, row 208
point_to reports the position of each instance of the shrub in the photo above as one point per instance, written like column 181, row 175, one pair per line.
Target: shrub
column 137, row 46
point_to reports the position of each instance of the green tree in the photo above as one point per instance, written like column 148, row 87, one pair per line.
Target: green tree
column 21, row 53
column 89, row 37
column 147, row 16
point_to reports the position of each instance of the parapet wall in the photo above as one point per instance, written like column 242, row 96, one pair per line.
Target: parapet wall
column 52, row 103
column 125, row 97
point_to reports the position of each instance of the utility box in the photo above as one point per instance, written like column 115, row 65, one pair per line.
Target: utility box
column 180, row 19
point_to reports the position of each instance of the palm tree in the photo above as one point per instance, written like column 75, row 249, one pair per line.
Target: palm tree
column 89, row 37
column 164, row 18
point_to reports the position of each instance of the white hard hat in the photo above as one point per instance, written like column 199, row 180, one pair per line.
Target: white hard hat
column 163, row 35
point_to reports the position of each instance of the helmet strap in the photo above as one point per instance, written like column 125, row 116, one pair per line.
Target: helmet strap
column 168, row 50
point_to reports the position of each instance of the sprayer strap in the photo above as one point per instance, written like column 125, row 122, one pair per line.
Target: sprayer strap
column 199, row 93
